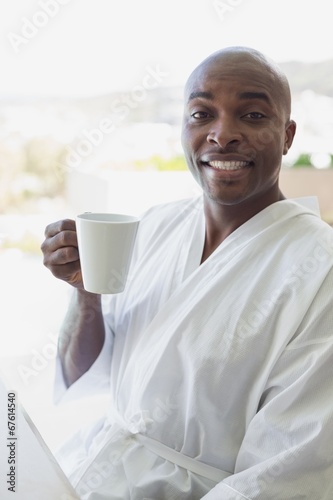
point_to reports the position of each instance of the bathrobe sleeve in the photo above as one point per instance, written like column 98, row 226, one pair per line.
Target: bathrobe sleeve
column 287, row 450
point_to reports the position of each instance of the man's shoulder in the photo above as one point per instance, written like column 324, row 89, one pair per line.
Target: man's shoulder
column 302, row 215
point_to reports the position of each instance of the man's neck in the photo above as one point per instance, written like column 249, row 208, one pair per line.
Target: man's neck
column 222, row 220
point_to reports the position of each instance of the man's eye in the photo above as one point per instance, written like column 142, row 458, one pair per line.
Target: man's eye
column 255, row 115
column 197, row 115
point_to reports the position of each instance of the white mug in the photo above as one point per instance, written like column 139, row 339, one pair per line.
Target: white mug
column 106, row 243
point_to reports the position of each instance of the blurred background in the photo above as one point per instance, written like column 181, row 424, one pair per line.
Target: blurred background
column 90, row 115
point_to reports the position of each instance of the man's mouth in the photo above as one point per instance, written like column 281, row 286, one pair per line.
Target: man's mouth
column 228, row 164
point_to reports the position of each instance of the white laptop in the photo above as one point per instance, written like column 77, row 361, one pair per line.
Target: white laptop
column 28, row 469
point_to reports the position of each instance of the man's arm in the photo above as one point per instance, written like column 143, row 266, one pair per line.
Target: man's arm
column 287, row 448
column 82, row 335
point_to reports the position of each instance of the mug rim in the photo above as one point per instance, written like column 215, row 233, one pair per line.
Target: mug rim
column 123, row 218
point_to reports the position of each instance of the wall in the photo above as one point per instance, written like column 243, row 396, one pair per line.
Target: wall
column 308, row 182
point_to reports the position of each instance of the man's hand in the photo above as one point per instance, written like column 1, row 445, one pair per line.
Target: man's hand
column 60, row 250
column 82, row 334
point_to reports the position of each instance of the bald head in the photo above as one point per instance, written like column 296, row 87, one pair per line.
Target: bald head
column 243, row 62
column 236, row 128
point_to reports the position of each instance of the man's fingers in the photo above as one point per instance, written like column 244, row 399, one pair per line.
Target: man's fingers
column 59, row 226
column 58, row 235
column 60, row 244
column 61, row 256
column 60, row 251
column 60, row 240
column 71, row 273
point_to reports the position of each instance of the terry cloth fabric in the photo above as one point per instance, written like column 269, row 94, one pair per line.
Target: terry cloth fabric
column 228, row 363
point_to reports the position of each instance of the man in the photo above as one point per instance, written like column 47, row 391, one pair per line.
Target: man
column 218, row 356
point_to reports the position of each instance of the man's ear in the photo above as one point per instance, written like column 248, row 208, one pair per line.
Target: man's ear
column 289, row 136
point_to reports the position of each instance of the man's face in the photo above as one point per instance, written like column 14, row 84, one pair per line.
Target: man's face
column 235, row 130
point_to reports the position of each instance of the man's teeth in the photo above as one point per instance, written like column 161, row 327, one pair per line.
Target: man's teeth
column 228, row 165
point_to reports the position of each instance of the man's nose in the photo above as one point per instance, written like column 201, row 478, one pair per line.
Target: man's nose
column 223, row 132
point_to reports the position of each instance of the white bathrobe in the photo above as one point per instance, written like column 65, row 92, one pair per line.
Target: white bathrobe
column 220, row 375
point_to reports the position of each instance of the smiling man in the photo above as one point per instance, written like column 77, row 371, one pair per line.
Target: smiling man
column 236, row 128
column 218, row 355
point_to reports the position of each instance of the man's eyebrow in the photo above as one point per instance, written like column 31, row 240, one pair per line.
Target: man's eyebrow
column 243, row 95
column 200, row 94
column 255, row 95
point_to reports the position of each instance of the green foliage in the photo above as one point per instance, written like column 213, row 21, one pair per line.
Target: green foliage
column 304, row 160
column 30, row 170
column 28, row 243
column 162, row 164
